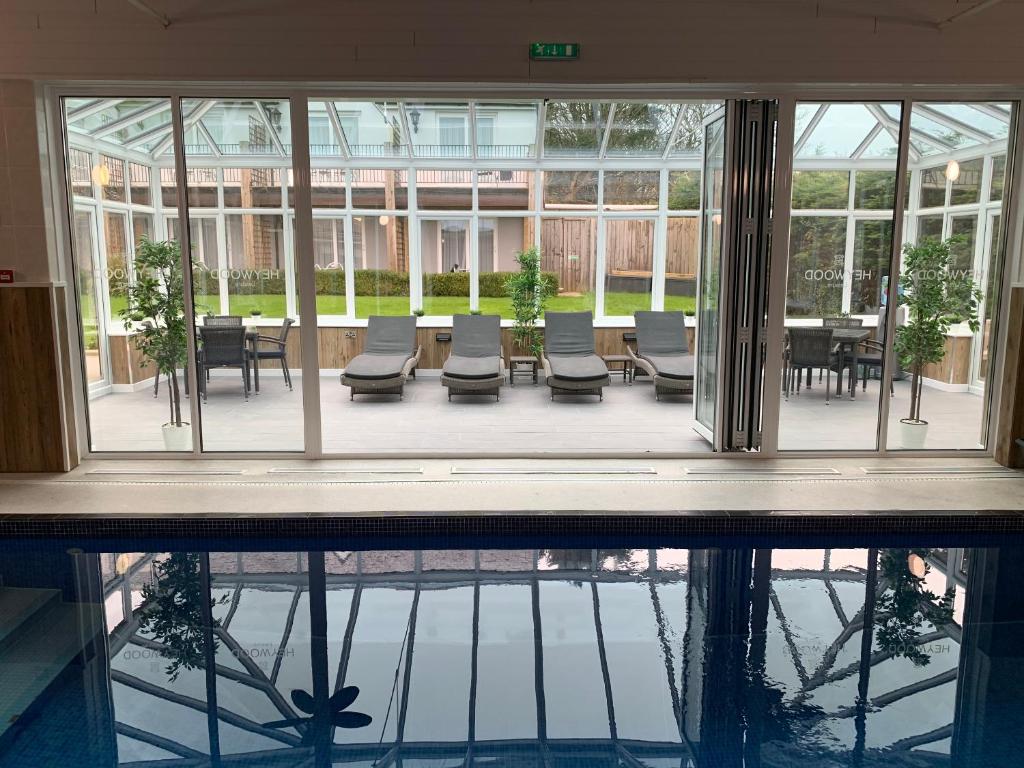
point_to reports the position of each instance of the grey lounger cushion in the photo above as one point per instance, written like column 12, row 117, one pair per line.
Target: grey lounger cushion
column 661, row 333
column 476, row 347
column 472, row 367
column 578, row 367
column 672, row 366
column 390, row 342
column 368, row 366
column 569, row 333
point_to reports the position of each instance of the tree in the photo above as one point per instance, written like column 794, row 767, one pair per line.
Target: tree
column 156, row 305
column 936, row 295
column 529, row 293
column 906, row 604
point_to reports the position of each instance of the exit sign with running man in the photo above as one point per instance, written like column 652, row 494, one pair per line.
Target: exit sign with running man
column 554, row 51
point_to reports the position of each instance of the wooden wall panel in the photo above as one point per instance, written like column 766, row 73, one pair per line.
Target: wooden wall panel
column 31, row 429
column 1010, row 419
column 955, row 367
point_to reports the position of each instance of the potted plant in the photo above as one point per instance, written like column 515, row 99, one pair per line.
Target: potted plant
column 156, row 306
column 529, row 293
column 937, row 294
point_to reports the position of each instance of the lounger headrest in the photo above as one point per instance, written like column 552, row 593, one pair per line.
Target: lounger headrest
column 661, row 333
column 476, row 335
column 569, row 333
column 391, row 335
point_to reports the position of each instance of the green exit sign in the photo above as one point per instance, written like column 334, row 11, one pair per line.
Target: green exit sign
column 554, row 51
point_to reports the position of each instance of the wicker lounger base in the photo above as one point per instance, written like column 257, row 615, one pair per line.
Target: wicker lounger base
column 392, row 386
column 574, row 387
column 665, row 385
column 457, row 386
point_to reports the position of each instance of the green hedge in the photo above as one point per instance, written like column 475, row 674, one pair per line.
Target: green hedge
column 369, row 282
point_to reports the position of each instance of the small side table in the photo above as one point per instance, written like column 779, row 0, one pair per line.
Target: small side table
column 523, row 365
column 626, row 363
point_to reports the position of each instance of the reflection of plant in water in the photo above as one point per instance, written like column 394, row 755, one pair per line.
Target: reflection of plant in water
column 174, row 614
column 906, row 604
column 579, row 559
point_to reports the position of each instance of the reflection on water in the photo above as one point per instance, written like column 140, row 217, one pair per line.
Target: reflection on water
column 549, row 658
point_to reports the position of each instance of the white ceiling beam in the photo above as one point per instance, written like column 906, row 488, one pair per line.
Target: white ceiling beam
column 954, row 124
column 607, row 129
column 863, row 146
column 892, row 128
column 160, row 105
column 201, row 127
column 809, row 129
column 992, row 110
column 92, row 108
column 542, row 116
column 339, row 132
column 187, row 122
column 274, row 138
column 674, row 133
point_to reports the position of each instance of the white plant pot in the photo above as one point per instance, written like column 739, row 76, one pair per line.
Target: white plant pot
column 177, row 438
column 913, row 434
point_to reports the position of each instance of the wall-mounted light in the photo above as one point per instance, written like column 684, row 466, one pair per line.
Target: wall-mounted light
column 917, row 565
column 101, row 174
column 384, row 220
column 414, row 118
column 952, row 170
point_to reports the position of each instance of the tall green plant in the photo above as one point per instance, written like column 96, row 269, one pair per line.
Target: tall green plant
column 937, row 294
column 529, row 292
column 156, row 305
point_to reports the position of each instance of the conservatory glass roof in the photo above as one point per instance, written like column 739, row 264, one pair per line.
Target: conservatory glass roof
column 509, row 130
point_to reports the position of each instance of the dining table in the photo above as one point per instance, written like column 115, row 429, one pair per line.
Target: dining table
column 848, row 340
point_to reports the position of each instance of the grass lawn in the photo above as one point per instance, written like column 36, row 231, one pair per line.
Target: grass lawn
column 616, row 304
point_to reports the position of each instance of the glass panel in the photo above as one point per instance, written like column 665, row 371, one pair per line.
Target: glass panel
column 839, row 267
column 998, row 177
column 929, row 227
column 689, row 139
column 641, row 130
column 962, row 235
column 874, row 190
column 500, row 240
column 568, row 250
column 207, row 268
column 380, row 245
column 439, row 129
column 255, row 265
column 631, row 190
column 506, row 131
column 329, row 263
column 872, row 247
column 574, row 128
column 139, row 179
column 444, row 254
column 983, row 339
column 817, row 248
column 821, row 189
column 965, row 178
column 90, row 301
column 384, row 189
column 682, row 251
column 252, row 188
column 629, row 245
column 111, row 178
column 370, row 128
column 706, row 378
column 249, row 399
column 133, row 339
column 937, row 403
column 933, row 187
column 444, row 190
column 570, row 190
column 683, row 190
column 505, row 190
column 438, row 706
column 327, row 188
column 506, row 703
column 117, row 269
column 573, row 687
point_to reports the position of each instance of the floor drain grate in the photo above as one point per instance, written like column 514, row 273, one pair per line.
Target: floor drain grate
column 553, row 471
column 345, row 471
column 176, row 472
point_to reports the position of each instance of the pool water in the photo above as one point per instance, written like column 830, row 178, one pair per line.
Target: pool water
column 724, row 655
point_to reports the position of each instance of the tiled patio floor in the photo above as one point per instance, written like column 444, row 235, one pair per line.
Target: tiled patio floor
column 524, row 421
